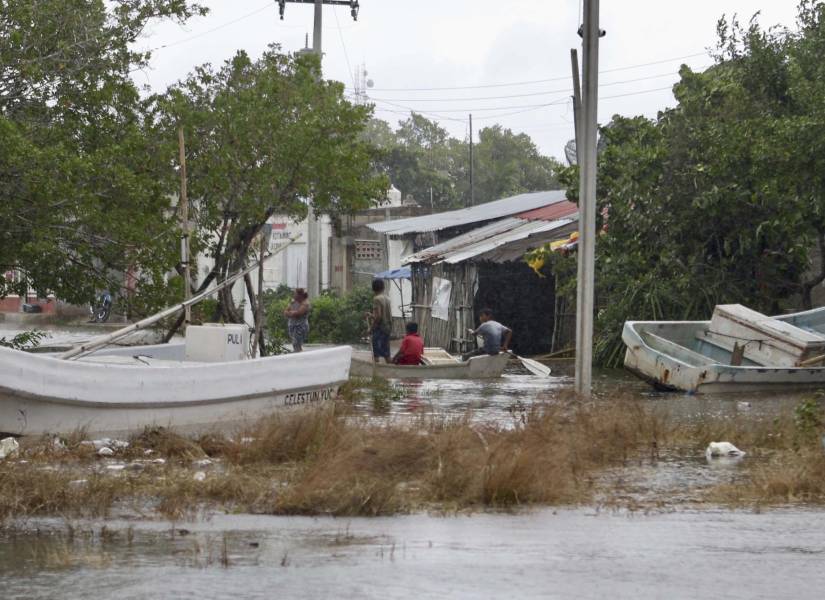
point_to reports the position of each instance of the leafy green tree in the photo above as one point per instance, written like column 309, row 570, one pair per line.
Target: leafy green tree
column 84, row 179
column 509, row 164
column 263, row 136
column 423, row 160
column 722, row 198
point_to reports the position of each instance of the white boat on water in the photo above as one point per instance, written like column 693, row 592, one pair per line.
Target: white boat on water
column 738, row 350
column 123, row 390
column 438, row 365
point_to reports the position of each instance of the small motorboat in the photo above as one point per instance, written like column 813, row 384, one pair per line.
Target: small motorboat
column 738, row 350
column 438, row 364
column 190, row 386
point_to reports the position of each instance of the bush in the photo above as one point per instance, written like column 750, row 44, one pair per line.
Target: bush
column 333, row 319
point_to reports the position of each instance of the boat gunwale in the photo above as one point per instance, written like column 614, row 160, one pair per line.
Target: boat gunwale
column 152, row 404
column 712, row 365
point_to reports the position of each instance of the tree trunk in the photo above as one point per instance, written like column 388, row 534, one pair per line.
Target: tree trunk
column 808, row 286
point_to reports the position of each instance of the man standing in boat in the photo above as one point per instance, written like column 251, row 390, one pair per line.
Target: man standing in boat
column 297, row 314
column 380, row 322
column 496, row 336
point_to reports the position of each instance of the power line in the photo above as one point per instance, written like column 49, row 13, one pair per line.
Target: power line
column 343, row 45
column 548, row 92
column 535, row 81
column 217, row 28
column 517, row 108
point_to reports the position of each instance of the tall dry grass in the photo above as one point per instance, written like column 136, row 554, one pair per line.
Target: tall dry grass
column 328, row 461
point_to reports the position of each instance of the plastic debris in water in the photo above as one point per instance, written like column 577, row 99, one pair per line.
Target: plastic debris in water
column 722, row 449
column 8, row 446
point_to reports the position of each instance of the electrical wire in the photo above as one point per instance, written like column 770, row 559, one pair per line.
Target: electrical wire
column 214, row 29
column 548, row 92
column 344, row 46
column 535, row 81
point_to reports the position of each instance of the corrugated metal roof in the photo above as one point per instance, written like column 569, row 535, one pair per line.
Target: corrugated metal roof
column 489, row 242
column 467, row 216
column 551, row 212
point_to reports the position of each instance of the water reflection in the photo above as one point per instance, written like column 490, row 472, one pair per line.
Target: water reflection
column 561, row 554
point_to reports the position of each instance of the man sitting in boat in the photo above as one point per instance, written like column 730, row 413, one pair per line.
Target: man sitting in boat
column 412, row 347
column 493, row 333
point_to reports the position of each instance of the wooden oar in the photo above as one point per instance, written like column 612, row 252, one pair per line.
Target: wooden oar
column 534, row 366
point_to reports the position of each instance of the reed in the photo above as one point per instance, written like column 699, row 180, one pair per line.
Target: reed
column 330, row 461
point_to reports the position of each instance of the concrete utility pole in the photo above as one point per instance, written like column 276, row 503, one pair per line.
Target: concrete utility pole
column 472, row 172
column 313, row 233
column 587, row 198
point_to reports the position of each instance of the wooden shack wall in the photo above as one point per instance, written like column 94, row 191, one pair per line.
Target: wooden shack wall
column 450, row 334
column 541, row 322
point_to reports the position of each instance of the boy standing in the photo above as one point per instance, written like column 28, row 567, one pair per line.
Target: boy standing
column 412, row 347
column 380, row 322
column 496, row 336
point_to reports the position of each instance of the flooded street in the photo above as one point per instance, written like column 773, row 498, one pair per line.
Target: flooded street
column 543, row 554
column 681, row 548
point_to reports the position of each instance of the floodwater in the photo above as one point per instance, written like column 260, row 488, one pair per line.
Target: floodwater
column 543, row 554
column 678, row 552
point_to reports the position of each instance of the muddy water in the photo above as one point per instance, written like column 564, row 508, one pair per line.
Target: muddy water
column 546, row 554
column 675, row 553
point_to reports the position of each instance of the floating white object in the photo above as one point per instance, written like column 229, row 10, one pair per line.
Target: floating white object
column 8, row 446
column 199, row 476
column 105, row 451
column 722, row 449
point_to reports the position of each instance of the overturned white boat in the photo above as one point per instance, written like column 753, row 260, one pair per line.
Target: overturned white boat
column 188, row 387
column 738, row 350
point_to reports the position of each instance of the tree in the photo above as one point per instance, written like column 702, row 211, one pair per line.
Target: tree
column 509, row 164
column 263, row 136
column 84, row 178
column 722, row 198
column 423, row 160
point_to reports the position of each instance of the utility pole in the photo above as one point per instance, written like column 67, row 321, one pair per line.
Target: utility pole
column 472, row 172
column 587, row 198
column 184, row 221
column 313, row 234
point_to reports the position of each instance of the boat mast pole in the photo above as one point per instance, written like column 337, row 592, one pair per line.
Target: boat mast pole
column 184, row 220
column 105, row 340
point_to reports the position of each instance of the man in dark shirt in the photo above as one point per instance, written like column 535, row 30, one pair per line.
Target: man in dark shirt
column 412, row 347
column 380, row 322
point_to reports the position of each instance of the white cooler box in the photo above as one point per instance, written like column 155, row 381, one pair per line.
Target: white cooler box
column 216, row 342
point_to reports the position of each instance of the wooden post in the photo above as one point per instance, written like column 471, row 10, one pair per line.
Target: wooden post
column 259, row 312
column 184, row 219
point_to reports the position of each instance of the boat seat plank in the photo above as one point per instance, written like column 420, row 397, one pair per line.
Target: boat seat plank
column 675, row 350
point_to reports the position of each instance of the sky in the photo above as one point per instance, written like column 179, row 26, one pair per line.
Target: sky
column 510, row 59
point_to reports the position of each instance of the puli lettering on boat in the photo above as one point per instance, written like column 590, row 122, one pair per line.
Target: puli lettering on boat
column 299, row 398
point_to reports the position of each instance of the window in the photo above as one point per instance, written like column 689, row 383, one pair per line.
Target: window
column 368, row 250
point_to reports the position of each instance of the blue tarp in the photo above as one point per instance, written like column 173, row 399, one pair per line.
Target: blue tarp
column 402, row 273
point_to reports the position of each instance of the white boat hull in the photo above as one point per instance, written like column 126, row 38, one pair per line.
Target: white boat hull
column 41, row 394
column 669, row 355
column 478, row 367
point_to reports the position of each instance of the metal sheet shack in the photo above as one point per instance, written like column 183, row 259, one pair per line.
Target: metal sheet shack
column 473, row 257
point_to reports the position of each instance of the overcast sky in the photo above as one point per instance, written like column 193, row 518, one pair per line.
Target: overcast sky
column 407, row 45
